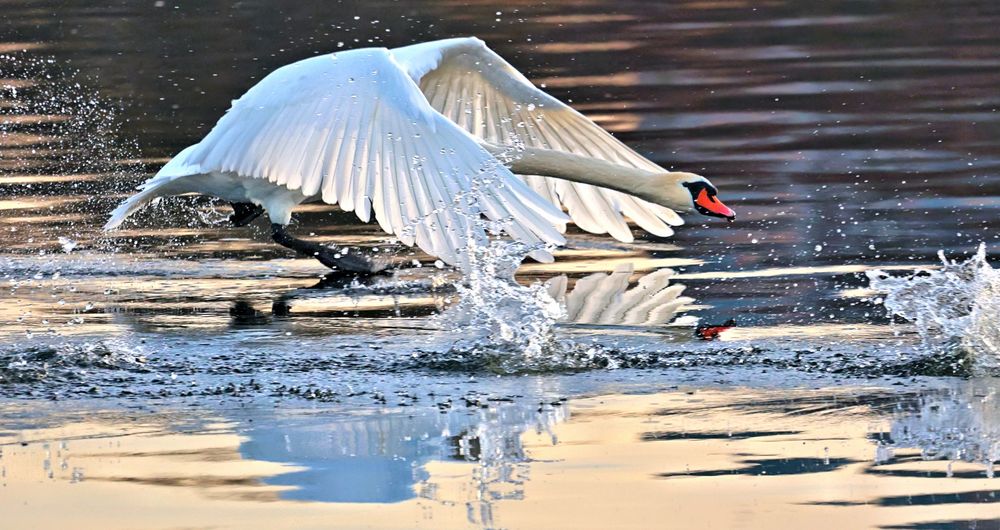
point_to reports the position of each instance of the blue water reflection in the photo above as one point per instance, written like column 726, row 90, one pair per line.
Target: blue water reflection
column 380, row 456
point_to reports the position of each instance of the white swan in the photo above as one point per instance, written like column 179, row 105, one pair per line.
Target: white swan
column 422, row 136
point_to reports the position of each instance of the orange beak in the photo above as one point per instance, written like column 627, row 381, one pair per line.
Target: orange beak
column 714, row 206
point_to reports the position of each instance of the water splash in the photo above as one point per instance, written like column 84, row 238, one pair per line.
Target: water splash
column 956, row 309
column 52, row 123
column 69, row 361
column 58, row 133
column 495, row 313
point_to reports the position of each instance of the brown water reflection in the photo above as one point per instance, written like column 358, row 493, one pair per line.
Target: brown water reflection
column 783, row 459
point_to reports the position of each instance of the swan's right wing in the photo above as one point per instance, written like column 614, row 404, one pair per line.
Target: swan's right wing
column 477, row 89
column 354, row 129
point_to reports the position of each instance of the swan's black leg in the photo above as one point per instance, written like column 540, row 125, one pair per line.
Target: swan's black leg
column 244, row 213
column 350, row 262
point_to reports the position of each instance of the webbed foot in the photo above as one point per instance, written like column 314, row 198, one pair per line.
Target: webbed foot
column 244, row 213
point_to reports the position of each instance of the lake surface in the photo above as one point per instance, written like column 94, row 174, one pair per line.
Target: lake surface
column 216, row 380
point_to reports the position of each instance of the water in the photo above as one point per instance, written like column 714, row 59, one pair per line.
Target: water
column 194, row 364
column 955, row 308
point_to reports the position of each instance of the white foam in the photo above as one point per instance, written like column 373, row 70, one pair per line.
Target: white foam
column 494, row 309
column 954, row 307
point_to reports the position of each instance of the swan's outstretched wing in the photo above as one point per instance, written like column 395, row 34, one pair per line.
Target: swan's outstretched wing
column 354, row 129
column 480, row 91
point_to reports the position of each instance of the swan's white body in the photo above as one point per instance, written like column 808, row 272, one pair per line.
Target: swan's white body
column 417, row 136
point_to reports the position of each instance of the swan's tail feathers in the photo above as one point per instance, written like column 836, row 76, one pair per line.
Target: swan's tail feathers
column 177, row 167
column 130, row 206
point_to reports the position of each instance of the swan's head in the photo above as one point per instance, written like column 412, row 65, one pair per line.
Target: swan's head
column 688, row 192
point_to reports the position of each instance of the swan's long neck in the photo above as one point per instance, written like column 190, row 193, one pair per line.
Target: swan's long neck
column 548, row 163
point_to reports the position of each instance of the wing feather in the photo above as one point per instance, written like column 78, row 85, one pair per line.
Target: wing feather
column 478, row 90
column 355, row 130
column 364, row 185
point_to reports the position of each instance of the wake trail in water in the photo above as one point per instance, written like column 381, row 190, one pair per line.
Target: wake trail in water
column 956, row 309
column 68, row 362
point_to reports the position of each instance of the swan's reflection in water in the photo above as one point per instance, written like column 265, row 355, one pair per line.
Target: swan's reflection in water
column 381, row 458
column 775, row 455
column 608, row 299
column 960, row 424
column 621, row 297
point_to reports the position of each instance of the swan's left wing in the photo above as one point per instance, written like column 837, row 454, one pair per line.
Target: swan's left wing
column 477, row 89
column 355, row 130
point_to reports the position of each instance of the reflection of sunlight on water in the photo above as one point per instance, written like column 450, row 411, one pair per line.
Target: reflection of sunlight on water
column 825, row 331
column 783, row 271
column 607, row 264
column 34, row 203
column 583, row 47
column 780, row 457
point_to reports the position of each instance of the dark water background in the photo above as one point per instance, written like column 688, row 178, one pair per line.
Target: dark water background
column 846, row 135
